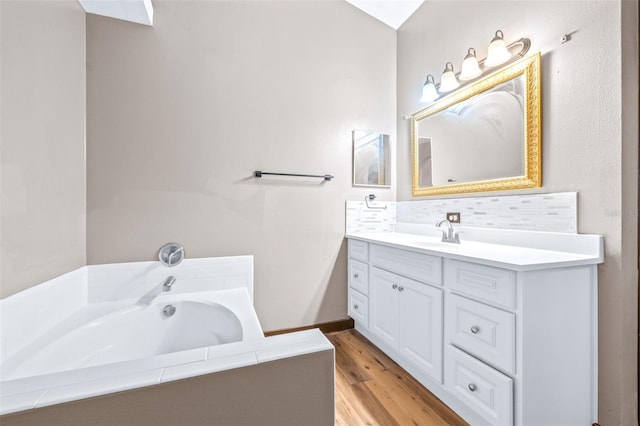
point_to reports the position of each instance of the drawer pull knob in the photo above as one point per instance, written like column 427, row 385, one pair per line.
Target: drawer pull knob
column 475, row 329
column 394, row 286
column 355, row 306
column 355, row 276
column 472, row 387
column 400, row 288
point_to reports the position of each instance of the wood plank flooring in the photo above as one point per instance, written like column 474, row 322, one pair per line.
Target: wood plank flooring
column 371, row 389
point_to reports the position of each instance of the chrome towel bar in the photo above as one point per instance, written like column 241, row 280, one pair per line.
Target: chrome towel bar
column 259, row 174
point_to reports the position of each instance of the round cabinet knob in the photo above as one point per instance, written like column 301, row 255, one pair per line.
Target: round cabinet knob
column 355, row 276
column 394, row 286
column 355, row 306
column 475, row 329
column 472, row 387
column 400, row 288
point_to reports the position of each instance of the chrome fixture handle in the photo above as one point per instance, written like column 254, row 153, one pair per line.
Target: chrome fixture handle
column 400, row 288
column 448, row 235
column 171, row 254
column 472, row 387
column 355, row 276
column 174, row 253
column 394, row 286
column 355, row 306
column 168, row 283
column 475, row 329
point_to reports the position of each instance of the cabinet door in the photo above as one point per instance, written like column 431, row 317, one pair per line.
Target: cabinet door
column 383, row 305
column 421, row 323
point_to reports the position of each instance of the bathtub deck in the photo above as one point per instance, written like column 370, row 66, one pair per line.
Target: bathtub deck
column 372, row 389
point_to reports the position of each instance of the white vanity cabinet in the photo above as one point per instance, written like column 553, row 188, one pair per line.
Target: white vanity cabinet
column 358, row 279
column 500, row 343
column 407, row 315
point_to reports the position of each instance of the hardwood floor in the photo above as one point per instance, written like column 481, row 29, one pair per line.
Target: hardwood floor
column 371, row 389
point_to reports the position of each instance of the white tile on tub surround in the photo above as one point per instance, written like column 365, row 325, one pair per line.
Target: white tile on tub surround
column 99, row 372
column 360, row 218
column 215, row 365
column 19, row 402
column 99, row 387
column 27, row 315
column 316, row 343
column 138, row 279
column 554, row 212
column 277, row 341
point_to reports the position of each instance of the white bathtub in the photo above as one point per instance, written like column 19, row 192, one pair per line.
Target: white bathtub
column 75, row 338
column 122, row 331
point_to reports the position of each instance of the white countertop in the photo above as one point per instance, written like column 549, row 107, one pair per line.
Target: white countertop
column 550, row 250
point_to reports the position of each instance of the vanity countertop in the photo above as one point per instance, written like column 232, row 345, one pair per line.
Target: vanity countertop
column 548, row 250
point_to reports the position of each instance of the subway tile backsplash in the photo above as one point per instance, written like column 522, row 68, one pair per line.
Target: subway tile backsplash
column 555, row 212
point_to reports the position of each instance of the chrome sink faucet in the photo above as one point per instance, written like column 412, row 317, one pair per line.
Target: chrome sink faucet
column 168, row 283
column 448, row 235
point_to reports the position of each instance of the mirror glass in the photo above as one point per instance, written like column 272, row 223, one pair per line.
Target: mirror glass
column 371, row 159
column 483, row 137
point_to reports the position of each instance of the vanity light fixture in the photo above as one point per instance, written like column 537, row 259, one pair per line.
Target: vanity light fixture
column 429, row 92
column 448, row 81
column 470, row 67
column 499, row 53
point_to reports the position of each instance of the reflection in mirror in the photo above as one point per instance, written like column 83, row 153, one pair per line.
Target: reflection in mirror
column 484, row 137
column 424, row 157
column 371, row 159
column 481, row 138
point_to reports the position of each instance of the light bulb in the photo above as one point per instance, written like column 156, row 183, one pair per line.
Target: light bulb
column 470, row 67
column 448, row 81
column 498, row 52
column 429, row 92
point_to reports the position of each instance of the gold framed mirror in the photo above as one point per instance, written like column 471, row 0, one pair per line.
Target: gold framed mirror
column 483, row 137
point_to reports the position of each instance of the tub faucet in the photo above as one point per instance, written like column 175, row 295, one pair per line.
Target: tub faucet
column 448, row 235
column 168, row 283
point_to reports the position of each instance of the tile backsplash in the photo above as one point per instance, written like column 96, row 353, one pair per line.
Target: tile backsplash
column 554, row 212
column 380, row 217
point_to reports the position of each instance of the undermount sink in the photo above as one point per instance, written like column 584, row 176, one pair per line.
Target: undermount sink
column 436, row 245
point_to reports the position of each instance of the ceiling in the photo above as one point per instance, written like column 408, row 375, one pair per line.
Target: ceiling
column 138, row 11
column 391, row 12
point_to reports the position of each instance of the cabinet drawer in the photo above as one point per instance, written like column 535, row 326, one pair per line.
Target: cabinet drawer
column 493, row 285
column 419, row 266
column 483, row 331
column 359, row 276
column 358, row 250
column 358, row 307
column 485, row 390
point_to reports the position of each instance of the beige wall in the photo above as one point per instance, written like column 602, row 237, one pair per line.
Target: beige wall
column 42, row 140
column 587, row 147
column 181, row 114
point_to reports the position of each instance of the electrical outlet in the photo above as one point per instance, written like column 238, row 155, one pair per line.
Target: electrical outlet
column 453, row 217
